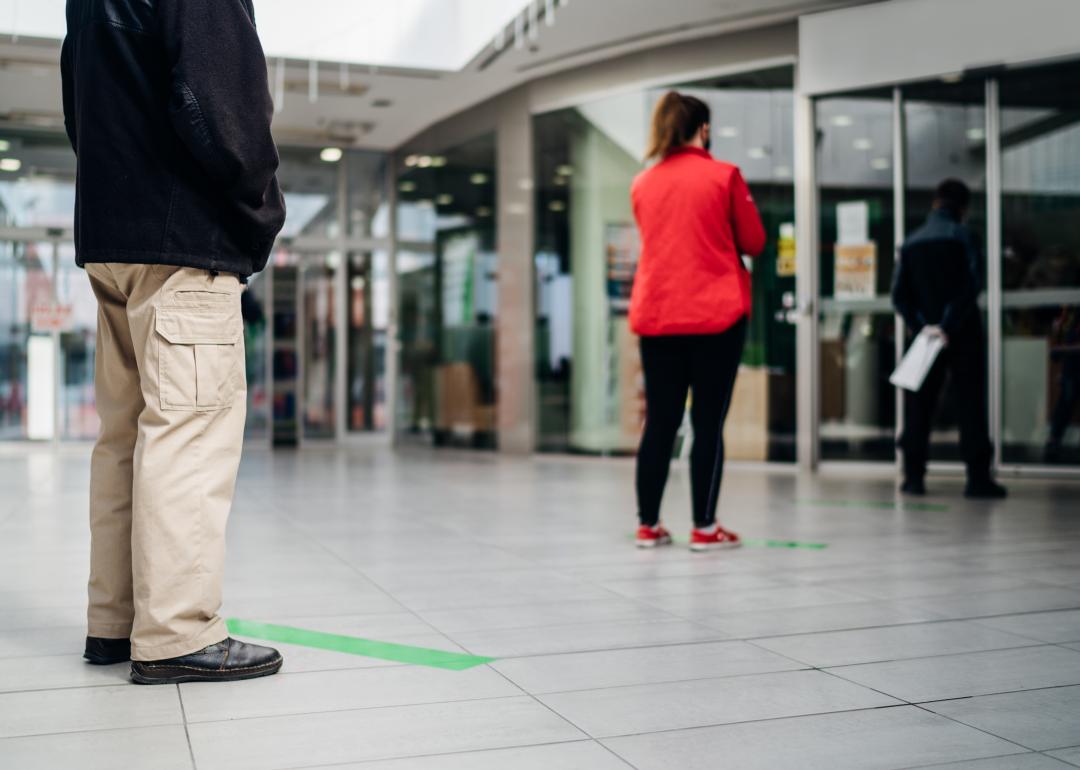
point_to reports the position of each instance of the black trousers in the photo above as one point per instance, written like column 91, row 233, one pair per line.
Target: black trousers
column 706, row 365
column 963, row 361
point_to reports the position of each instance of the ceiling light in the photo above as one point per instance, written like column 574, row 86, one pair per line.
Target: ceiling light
column 5, row 145
column 728, row 132
column 438, row 161
column 757, row 153
column 782, row 171
column 412, row 160
column 426, row 202
column 331, row 154
column 445, row 199
column 880, row 164
column 557, row 206
column 479, row 178
column 424, row 161
column 560, row 181
column 10, row 164
column 483, row 211
column 976, row 134
column 407, row 187
column 952, row 77
column 863, row 144
column 564, row 170
column 842, row 121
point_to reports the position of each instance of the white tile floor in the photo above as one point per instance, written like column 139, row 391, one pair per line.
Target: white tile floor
column 937, row 635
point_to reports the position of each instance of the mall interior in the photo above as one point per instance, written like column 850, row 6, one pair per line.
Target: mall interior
column 445, row 399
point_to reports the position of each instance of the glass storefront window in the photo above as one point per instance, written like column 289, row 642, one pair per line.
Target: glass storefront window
column 857, row 327
column 945, row 137
column 448, row 294
column 588, row 368
column 1040, row 376
column 369, row 317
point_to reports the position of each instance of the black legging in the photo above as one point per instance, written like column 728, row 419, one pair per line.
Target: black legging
column 705, row 365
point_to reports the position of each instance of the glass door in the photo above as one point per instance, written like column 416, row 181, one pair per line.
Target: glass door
column 1040, row 276
column 945, row 137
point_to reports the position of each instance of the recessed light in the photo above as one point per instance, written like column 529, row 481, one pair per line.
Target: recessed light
column 10, row 164
column 560, row 181
column 557, row 206
column 331, row 154
column 565, row 170
column 445, row 199
column 483, row 211
column 5, row 145
column 842, row 121
column 479, row 178
column 976, row 134
column 424, row 161
column 728, row 132
column 863, row 144
column 782, row 171
column 407, row 187
column 880, row 164
column 412, row 160
column 757, row 153
column 438, row 161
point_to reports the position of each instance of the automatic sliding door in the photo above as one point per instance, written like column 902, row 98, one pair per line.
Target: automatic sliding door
column 1040, row 324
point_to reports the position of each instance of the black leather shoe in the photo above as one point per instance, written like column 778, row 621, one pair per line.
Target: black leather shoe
column 985, row 490
column 105, row 652
column 913, row 487
column 225, row 661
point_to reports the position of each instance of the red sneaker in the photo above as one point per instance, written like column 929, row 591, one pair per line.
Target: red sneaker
column 650, row 537
column 706, row 540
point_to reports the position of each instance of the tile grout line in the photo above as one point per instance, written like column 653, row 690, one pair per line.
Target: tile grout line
column 187, row 733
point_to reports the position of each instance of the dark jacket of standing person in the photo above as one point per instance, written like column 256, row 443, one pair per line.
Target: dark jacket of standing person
column 168, row 109
column 937, row 280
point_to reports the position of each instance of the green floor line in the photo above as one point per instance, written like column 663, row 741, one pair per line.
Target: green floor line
column 886, row 505
column 352, row 645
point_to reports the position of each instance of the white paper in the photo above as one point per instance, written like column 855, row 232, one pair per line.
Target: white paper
column 853, row 222
column 920, row 358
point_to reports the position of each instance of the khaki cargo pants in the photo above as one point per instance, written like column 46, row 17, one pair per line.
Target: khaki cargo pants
column 172, row 395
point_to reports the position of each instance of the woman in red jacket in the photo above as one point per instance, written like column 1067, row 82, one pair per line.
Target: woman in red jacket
column 690, row 304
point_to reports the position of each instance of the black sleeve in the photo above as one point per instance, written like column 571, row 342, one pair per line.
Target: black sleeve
column 221, row 108
column 966, row 301
column 904, row 300
column 67, row 77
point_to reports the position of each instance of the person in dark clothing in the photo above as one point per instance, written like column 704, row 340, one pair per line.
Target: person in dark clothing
column 936, row 286
column 168, row 109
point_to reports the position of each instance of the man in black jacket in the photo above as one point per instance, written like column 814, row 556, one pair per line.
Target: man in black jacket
column 936, row 286
column 168, row 110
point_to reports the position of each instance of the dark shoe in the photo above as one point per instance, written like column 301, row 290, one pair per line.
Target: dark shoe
column 913, row 487
column 985, row 490
column 105, row 652
column 225, row 661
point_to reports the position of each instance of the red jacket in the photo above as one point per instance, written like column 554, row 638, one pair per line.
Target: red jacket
column 696, row 216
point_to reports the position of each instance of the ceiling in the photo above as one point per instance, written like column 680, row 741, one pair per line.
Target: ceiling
column 378, row 107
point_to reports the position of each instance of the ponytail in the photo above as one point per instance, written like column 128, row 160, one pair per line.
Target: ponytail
column 675, row 121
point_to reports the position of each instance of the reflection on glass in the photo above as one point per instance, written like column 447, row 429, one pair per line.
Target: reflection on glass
column 945, row 137
column 320, row 332
column 78, row 410
column 368, row 320
column 857, row 327
column 1041, row 266
column 448, row 293
column 253, row 306
column 589, row 382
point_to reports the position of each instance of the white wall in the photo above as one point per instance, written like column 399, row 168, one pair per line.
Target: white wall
column 902, row 40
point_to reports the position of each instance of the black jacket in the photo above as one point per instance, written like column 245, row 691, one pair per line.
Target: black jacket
column 168, row 109
column 937, row 279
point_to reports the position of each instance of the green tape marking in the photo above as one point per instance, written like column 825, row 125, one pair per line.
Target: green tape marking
column 784, row 544
column 352, row 645
column 885, row 505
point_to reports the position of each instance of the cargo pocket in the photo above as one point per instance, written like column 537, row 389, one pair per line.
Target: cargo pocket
column 200, row 360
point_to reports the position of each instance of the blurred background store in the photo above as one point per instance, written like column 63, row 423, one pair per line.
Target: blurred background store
column 460, row 247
